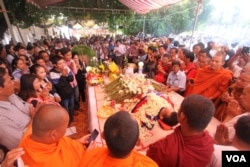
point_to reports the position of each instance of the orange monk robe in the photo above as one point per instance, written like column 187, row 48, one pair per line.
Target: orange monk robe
column 210, row 83
column 100, row 157
column 66, row 152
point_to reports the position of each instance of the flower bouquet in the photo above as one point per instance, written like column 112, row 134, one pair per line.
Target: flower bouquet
column 94, row 77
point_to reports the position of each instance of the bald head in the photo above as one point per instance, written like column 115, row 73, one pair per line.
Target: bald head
column 217, row 61
column 47, row 118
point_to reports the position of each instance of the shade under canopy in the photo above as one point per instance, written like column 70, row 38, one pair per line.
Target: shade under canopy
column 144, row 6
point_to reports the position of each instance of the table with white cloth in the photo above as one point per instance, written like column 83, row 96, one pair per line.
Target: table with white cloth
column 96, row 100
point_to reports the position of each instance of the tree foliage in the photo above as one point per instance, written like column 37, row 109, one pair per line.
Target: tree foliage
column 171, row 19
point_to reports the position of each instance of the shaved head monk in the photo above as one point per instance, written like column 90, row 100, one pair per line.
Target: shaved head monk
column 211, row 81
column 47, row 145
column 121, row 133
column 189, row 145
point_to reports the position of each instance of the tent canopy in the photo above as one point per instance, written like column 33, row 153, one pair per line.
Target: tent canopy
column 43, row 3
column 139, row 6
column 144, row 6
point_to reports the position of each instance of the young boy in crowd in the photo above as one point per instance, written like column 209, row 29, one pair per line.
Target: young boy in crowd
column 61, row 77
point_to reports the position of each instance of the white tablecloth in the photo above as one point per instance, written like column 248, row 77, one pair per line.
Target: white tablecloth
column 96, row 100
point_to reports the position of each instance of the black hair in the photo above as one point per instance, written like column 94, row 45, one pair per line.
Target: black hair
column 242, row 129
column 2, row 73
column 41, row 52
column 7, row 48
column 55, row 59
column 65, row 51
column 121, row 133
column 152, row 48
column 26, row 87
column 74, row 53
column 15, row 62
column 18, row 47
column 189, row 55
column 175, row 49
column 29, row 47
column 198, row 110
column 176, row 62
column 37, row 58
column 164, row 46
column 34, row 68
column 171, row 120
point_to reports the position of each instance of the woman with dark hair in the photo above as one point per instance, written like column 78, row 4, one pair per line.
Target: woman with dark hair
column 19, row 68
column 80, row 76
column 10, row 54
column 40, row 72
column 151, row 62
column 29, row 87
column 4, row 64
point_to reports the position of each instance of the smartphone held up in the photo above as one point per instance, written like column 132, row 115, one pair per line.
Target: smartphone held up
column 92, row 137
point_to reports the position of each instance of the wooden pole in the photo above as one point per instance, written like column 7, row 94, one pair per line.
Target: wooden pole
column 7, row 21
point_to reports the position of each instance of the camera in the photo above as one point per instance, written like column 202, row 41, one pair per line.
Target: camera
column 245, row 49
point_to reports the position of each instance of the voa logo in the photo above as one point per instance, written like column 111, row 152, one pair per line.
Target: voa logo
column 236, row 158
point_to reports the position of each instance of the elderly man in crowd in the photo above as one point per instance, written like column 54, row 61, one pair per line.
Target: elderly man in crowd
column 227, row 128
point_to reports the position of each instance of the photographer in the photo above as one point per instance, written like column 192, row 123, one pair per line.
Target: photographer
column 238, row 61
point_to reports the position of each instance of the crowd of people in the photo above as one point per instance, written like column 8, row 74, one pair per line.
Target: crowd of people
column 42, row 84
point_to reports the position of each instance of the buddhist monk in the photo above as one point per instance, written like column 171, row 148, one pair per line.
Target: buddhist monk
column 213, row 80
column 189, row 145
column 121, row 133
column 47, row 145
column 227, row 128
column 227, row 105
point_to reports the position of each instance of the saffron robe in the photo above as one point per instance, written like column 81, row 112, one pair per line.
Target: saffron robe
column 210, row 83
column 100, row 157
column 178, row 151
column 66, row 152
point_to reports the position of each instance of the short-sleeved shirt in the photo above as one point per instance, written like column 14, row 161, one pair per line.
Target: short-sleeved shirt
column 121, row 48
column 14, row 118
column 177, row 80
column 216, row 160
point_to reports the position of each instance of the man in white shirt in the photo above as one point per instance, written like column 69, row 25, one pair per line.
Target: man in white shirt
column 14, row 112
column 119, row 51
column 176, row 79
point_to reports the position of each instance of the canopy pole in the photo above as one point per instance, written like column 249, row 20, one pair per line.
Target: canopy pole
column 20, row 34
column 8, row 21
column 195, row 22
column 143, row 28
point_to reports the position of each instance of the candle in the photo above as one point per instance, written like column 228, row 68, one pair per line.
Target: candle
column 88, row 68
column 140, row 64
